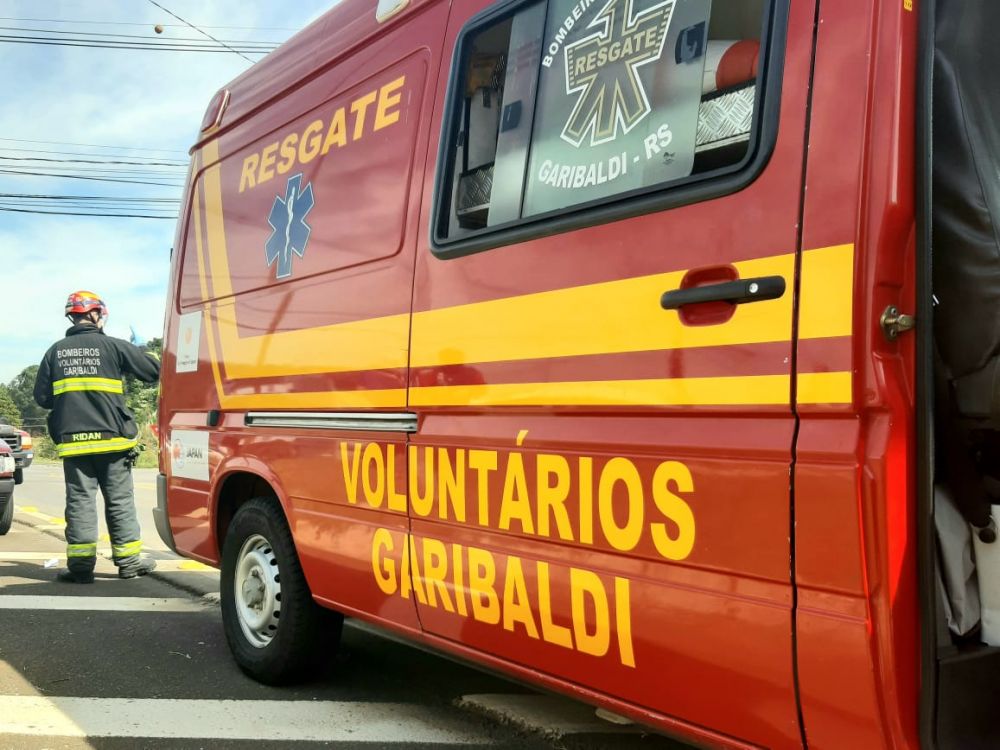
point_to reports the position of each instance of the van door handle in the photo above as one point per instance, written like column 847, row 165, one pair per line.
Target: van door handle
column 739, row 292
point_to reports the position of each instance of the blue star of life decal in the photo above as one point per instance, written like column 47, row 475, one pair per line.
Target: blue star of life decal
column 288, row 220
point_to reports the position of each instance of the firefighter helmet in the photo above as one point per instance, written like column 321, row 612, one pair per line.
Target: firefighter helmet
column 82, row 302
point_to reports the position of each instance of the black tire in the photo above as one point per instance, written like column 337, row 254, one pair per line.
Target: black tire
column 6, row 513
column 18, row 475
column 259, row 556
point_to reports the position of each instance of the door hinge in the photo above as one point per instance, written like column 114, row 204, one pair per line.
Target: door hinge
column 894, row 322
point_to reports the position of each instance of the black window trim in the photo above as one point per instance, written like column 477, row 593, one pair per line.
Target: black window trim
column 694, row 189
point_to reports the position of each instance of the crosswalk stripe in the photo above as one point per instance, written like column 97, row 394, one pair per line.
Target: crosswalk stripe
column 306, row 721
column 101, row 604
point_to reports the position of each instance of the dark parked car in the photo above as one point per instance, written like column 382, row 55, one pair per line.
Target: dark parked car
column 7, row 469
column 20, row 445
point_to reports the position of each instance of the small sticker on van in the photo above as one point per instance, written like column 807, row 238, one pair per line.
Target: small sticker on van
column 188, row 341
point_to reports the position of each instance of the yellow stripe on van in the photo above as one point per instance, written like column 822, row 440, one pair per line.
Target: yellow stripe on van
column 727, row 391
column 605, row 318
column 824, row 388
column 750, row 390
column 222, row 285
column 209, row 333
column 827, row 292
column 361, row 399
column 198, row 190
column 373, row 344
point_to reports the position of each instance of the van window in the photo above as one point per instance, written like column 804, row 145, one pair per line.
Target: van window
column 320, row 185
column 565, row 103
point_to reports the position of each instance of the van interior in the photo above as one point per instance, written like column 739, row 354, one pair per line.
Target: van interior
column 725, row 121
column 960, row 365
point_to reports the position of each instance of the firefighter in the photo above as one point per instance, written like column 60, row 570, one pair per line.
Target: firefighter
column 80, row 380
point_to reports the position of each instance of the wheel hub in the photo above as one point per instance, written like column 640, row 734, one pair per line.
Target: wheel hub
column 257, row 589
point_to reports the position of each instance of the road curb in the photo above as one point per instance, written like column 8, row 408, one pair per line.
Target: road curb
column 551, row 717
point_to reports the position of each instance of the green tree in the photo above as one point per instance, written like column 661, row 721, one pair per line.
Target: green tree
column 143, row 399
column 9, row 413
column 22, row 389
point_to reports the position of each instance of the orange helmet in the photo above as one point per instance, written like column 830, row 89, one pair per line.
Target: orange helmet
column 79, row 303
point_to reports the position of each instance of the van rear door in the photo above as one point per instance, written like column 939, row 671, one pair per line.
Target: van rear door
column 599, row 487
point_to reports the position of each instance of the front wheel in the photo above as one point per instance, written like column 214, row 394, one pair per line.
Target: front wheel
column 6, row 513
column 275, row 630
column 18, row 475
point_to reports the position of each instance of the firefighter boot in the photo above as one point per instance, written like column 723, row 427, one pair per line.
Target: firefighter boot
column 140, row 568
column 75, row 576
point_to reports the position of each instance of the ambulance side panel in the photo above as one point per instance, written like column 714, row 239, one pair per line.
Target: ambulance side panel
column 600, row 487
column 854, row 498
column 298, row 269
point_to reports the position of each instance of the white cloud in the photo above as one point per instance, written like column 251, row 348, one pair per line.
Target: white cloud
column 127, row 268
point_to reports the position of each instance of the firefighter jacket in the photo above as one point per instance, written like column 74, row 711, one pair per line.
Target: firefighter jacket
column 80, row 380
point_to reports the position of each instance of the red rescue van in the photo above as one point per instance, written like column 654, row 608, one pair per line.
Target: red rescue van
column 575, row 338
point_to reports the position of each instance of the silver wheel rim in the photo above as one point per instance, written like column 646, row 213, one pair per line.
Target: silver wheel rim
column 257, row 591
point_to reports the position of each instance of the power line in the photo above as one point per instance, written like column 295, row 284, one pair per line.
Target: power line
column 136, row 23
column 95, row 179
column 81, row 213
column 108, row 36
column 104, row 204
column 92, row 206
column 44, row 171
column 68, row 202
column 92, row 161
column 94, row 145
column 55, row 196
column 149, row 46
column 162, row 173
column 171, row 170
column 73, row 209
column 205, row 33
column 20, row 150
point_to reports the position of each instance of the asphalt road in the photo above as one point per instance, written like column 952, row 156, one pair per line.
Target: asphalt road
column 144, row 663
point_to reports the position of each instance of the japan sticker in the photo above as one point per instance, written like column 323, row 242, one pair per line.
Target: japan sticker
column 189, row 454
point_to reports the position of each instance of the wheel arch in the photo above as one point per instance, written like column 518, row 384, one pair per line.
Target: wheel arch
column 240, row 481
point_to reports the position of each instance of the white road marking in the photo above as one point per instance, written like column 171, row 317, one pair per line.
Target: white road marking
column 315, row 721
column 549, row 715
column 11, row 556
column 101, row 604
column 174, row 565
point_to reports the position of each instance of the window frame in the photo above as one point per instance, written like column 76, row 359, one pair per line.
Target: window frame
column 695, row 188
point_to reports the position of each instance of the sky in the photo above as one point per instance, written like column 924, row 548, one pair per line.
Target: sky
column 146, row 103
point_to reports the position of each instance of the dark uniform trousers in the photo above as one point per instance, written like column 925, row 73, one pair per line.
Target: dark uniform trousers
column 112, row 472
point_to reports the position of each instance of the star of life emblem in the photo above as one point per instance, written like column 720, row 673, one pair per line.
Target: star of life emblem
column 290, row 233
column 603, row 69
